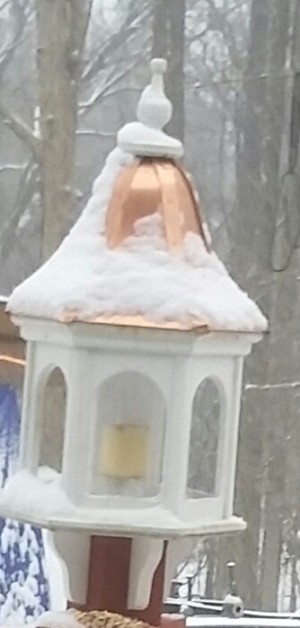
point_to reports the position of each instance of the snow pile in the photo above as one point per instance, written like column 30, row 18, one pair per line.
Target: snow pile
column 140, row 278
column 46, row 503
column 43, row 492
column 58, row 619
column 77, row 619
column 48, row 619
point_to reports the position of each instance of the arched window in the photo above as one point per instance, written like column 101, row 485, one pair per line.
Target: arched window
column 204, row 441
column 53, row 405
column 131, row 425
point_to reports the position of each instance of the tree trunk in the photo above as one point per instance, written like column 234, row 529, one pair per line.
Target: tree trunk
column 169, row 42
column 250, row 137
column 260, row 127
column 61, row 30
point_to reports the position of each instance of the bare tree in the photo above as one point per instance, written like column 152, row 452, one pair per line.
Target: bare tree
column 61, row 32
column 71, row 87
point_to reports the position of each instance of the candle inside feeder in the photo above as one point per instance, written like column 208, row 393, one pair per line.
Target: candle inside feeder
column 124, row 451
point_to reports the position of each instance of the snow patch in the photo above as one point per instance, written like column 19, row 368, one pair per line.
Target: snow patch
column 46, row 494
column 61, row 619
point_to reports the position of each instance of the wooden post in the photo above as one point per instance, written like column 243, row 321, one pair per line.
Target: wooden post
column 108, row 580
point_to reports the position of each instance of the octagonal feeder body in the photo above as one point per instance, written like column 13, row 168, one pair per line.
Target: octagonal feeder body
column 146, row 333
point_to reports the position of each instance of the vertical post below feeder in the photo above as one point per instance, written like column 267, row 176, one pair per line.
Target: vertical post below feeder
column 123, row 574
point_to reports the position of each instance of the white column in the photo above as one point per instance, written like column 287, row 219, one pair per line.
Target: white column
column 81, row 393
column 29, row 442
column 177, row 436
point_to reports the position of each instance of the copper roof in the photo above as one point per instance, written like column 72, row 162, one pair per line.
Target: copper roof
column 72, row 316
column 154, row 183
column 151, row 185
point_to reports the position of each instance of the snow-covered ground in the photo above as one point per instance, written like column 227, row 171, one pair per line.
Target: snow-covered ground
column 23, row 583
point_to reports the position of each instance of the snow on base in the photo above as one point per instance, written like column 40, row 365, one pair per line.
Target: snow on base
column 43, row 493
column 58, row 619
column 49, row 619
column 140, row 278
column 42, row 500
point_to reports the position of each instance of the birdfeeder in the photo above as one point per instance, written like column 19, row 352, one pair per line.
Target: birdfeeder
column 148, row 333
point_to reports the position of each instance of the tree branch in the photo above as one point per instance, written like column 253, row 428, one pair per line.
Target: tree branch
column 27, row 187
column 102, row 92
column 21, row 130
column 130, row 26
column 92, row 133
column 21, row 16
column 80, row 13
column 12, row 168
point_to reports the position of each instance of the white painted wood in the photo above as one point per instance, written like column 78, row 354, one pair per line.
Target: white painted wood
column 166, row 367
column 146, row 554
column 154, row 110
column 27, row 455
column 78, row 425
column 68, row 553
column 43, row 502
column 231, row 433
column 41, row 360
column 58, row 579
column 136, row 138
column 141, row 340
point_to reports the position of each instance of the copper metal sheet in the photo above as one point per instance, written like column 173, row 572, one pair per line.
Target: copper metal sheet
column 194, row 218
column 148, row 186
column 170, row 203
column 134, row 321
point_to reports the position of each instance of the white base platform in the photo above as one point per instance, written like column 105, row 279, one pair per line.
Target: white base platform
column 44, row 503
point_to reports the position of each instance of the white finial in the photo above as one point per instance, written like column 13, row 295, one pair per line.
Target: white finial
column 154, row 110
column 158, row 66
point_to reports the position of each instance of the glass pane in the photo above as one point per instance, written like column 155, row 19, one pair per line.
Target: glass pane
column 54, row 412
column 128, row 451
column 204, row 441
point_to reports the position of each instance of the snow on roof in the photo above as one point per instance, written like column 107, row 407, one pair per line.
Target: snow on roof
column 141, row 278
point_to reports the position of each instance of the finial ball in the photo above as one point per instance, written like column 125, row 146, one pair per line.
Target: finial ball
column 154, row 110
column 158, row 66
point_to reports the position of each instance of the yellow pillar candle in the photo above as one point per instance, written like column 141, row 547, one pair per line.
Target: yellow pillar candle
column 124, row 451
